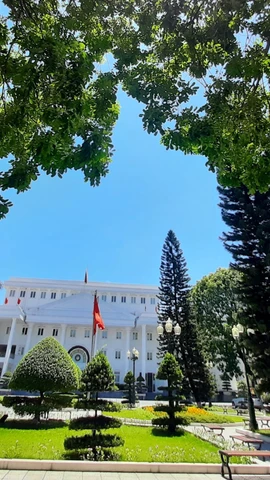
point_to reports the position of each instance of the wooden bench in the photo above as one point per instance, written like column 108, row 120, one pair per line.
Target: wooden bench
column 225, row 456
column 248, row 440
column 241, row 411
column 264, row 421
column 213, row 427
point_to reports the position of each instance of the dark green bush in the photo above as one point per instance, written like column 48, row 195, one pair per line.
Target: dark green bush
column 102, row 405
column 100, row 455
column 94, row 423
column 93, row 441
column 165, row 421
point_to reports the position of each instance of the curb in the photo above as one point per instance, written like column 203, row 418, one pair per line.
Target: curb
column 80, row 466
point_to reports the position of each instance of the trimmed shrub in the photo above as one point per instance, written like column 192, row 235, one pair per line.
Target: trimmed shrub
column 93, row 441
column 94, row 423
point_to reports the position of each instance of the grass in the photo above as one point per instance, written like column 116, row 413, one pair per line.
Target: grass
column 264, row 432
column 147, row 413
column 21, row 439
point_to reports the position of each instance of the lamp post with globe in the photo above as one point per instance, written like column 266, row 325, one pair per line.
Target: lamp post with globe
column 237, row 331
column 133, row 356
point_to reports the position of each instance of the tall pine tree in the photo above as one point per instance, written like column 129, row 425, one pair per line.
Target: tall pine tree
column 174, row 304
column 248, row 240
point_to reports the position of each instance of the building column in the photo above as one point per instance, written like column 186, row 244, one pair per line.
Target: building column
column 63, row 333
column 9, row 345
column 29, row 336
column 127, row 348
column 143, row 352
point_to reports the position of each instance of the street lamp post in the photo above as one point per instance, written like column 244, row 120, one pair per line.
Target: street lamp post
column 169, row 328
column 237, row 331
column 133, row 357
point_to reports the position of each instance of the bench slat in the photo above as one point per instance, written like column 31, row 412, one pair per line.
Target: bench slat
column 248, row 453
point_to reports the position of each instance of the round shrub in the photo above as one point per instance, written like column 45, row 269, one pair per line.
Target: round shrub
column 93, row 441
column 94, row 423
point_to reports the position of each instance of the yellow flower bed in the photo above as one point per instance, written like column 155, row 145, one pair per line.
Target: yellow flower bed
column 196, row 411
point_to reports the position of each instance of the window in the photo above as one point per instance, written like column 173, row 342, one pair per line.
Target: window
column 135, row 335
column 12, row 293
column 40, row 331
column 86, row 333
column 142, row 299
column 20, row 351
column 104, row 351
column 149, row 336
column 153, row 301
column 24, row 330
column 53, row 295
column 149, row 356
column 117, row 377
column 117, row 354
column 63, row 295
column 104, row 334
column 123, row 299
column 22, row 294
column 72, row 333
column 55, row 332
column 8, row 330
column 32, row 294
column 118, row 335
column 113, row 299
column 43, row 295
column 133, row 299
column 103, row 298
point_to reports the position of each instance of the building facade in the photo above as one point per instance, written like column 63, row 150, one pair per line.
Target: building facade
column 35, row 309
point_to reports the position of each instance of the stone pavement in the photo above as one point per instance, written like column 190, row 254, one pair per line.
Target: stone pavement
column 41, row 475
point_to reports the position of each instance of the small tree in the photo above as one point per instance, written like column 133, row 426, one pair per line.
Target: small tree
column 130, row 394
column 46, row 368
column 242, row 388
column 97, row 377
column 170, row 371
column 141, row 387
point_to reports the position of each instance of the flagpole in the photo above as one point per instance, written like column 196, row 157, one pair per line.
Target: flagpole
column 93, row 326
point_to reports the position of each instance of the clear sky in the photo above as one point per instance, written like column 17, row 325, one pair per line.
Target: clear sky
column 62, row 226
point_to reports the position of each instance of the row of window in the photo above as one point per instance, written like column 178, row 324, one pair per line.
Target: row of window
column 149, row 355
column 33, row 294
column 63, row 295
column 117, row 356
column 72, row 334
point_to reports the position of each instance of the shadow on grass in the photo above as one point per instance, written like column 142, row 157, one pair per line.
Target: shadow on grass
column 33, row 425
column 161, row 432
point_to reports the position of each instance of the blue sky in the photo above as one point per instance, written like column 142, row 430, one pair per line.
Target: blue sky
column 61, row 227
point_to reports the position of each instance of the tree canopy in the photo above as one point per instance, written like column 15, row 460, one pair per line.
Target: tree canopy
column 215, row 303
column 200, row 69
column 47, row 367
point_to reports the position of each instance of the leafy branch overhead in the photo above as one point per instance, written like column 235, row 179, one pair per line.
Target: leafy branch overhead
column 200, row 69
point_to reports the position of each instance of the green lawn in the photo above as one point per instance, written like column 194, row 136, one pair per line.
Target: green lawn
column 264, row 432
column 141, row 444
column 141, row 414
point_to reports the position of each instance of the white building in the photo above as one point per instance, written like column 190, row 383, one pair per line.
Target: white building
column 63, row 309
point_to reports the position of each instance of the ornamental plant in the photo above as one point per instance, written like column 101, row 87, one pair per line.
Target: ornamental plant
column 170, row 371
column 97, row 377
column 46, row 369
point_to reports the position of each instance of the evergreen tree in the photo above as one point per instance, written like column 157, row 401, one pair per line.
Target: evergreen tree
column 141, row 387
column 170, row 371
column 174, row 304
column 47, row 368
column 130, row 390
column 97, row 377
column 248, row 240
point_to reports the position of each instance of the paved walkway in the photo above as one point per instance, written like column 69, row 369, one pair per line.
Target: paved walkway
column 41, row 475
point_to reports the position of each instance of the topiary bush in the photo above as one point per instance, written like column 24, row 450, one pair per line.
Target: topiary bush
column 97, row 377
column 170, row 371
column 47, row 367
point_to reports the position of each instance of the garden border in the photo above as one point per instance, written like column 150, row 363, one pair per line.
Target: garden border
column 64, row 465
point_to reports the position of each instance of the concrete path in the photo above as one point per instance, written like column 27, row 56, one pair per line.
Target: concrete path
column 41, row 475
